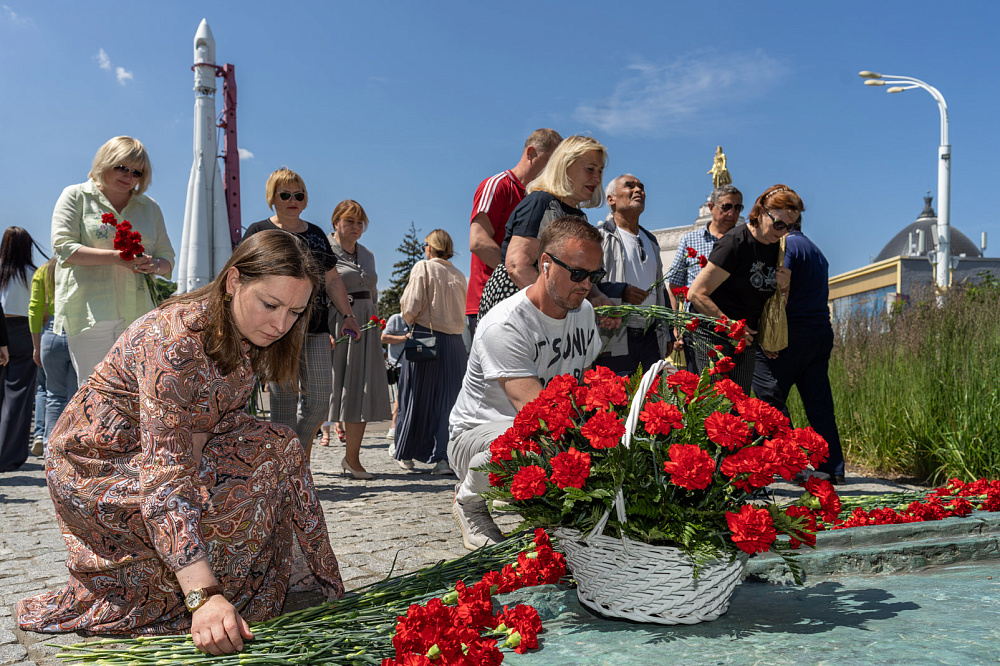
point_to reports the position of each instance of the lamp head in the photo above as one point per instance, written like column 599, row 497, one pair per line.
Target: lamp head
column 895, row 89
column 865, row 74
column 874, row 82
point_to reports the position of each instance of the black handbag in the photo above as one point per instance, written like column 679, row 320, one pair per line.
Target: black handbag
column 392, row 373
column 419, row 348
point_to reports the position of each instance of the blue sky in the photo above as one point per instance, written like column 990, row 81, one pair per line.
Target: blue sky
column 406, row 106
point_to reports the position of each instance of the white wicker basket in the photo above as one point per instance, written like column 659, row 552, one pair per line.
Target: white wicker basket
column 637, row 581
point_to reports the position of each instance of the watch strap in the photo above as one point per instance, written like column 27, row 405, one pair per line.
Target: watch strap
column 205, row 593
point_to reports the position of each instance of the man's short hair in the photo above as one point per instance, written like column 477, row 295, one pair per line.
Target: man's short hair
column 543, row 140
column 723, row 191
column 565, row 228
column 612, row 188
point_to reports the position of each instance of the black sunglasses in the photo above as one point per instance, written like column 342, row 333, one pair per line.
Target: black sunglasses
column 726, row 207
column 581, row 274
column 127, row 171
column 778, row 224
column 285, row 196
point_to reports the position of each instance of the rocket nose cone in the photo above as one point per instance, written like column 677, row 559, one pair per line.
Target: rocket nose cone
column 204, row 39
column 204, row 33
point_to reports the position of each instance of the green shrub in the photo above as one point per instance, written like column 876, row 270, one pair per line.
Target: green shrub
column 916, row 391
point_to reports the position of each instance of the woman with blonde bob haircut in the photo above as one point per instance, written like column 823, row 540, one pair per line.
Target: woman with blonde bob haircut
column 433, row 304
column 571, row 180
column 156, row 468
column 302, row 403
column 97, row 292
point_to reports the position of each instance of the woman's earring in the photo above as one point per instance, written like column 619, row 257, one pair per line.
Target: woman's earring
column 227, row 297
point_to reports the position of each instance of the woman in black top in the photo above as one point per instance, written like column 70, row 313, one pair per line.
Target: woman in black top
column 286, row 194
column 743, row 272
column 570, row 180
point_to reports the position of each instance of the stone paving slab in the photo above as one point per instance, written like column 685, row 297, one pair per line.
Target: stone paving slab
column 402, row 517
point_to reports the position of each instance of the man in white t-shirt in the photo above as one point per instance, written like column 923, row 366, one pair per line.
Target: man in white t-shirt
column 545, row 330
column 632, row 259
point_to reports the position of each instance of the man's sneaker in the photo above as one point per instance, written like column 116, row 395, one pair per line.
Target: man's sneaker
column 391, row 434
column 478, row 528
column 38, row 447
column 442, row 468
column 405, row 464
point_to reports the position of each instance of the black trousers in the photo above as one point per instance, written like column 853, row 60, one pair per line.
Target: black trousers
column 17, row 395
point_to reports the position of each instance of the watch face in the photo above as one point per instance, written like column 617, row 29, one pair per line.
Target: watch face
column 193, row 599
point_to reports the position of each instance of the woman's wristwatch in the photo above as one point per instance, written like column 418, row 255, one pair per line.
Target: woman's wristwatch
column 196, row 598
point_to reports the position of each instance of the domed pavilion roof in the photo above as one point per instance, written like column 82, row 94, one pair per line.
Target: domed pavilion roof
column 900, row 243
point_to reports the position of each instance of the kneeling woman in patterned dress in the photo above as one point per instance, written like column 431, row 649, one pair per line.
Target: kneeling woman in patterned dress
column 180, row 510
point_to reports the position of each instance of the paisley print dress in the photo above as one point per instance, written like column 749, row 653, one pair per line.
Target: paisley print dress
column 134, row 506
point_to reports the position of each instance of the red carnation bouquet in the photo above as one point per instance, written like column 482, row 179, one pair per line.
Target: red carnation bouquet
column 694, row 475
column 129, row 246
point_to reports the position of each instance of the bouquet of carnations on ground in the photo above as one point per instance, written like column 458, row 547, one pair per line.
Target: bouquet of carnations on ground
column 657, row 488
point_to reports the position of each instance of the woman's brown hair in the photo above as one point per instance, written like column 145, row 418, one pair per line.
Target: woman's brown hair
column 776, row 197
column 272, row 253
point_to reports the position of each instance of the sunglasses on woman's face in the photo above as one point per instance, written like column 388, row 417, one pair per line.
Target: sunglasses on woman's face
column 581, row 274
column 285, row 196
column 778, row 224
column 127, row 171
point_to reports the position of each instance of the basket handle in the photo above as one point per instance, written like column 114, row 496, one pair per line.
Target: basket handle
column 631, row 423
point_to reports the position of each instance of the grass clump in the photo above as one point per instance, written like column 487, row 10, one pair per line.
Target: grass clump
column 916, row 391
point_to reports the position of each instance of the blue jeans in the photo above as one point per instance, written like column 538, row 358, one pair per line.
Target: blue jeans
column 39, row 419
column 60, row 377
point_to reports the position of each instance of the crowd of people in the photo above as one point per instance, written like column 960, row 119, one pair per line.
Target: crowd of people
column 154, row 462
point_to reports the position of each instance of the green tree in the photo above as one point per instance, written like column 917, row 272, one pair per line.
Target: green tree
column 412, row 249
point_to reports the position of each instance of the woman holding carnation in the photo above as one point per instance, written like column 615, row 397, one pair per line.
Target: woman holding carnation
column 181, row 510
column 17, row 377
column 433, row 304
column 302, row 404
column 97, row 292
column 360, row 389
column 741, row 275
column 570, row 180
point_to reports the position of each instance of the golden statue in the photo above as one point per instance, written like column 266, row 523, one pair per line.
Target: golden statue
column 720, row 174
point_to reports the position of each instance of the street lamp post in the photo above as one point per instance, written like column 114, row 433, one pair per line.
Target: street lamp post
column 899, row 84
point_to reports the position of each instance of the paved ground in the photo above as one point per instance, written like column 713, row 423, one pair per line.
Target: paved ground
column 401, row 515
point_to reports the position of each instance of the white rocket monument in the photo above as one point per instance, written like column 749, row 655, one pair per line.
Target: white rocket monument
column 205, row 244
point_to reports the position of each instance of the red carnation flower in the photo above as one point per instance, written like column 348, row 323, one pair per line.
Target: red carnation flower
column 741, row 346
column 727, row 430
column 702, row 260
column 829, row 501
column 789, row 457
column 723, row 324
column 752, row 529
column 525, row 622
column 661, row 417
column 691, row 252
column 109, row 218
column 684, row 381
column 803, row 527
column 767, row 420
column 570, row 468
column 604, row 430
column 681, row 292
column 692, row 325
column 606, row 388
column 689, row 466
column 812, row 442
column 528, row 482
column 723, row 366
column 737, row 329
column 730, row 389
column 756, row 462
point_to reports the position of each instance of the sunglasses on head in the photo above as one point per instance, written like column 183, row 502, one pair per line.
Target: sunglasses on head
column 778, row 224
column 580, row 274
column 726, row 207
column 128, row 171
column 285, row 196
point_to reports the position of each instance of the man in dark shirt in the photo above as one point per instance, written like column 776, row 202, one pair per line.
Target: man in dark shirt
column 805, row 362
